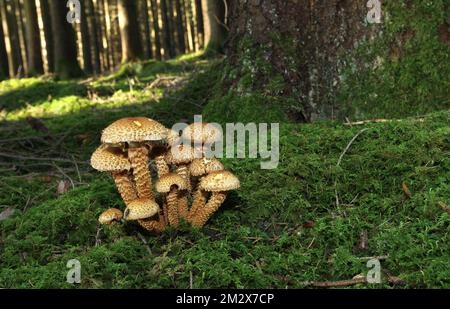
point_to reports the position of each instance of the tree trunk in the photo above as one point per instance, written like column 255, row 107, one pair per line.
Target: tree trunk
column 48, row 36
column 169, row 51
column 4, row 69
column 180, row 27
column 17, row 8
column 12, row 39
column 129, row 31
column 305, row 40
column 35, row 64
column 213, row 24
column 85, row 39
column 145, row 33
column 157, row 42
column 93, row 37
column 65, row 48
column 199, row 24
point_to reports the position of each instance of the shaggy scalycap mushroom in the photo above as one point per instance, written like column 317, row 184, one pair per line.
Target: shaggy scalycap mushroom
column 218, row 183
column 115, row 161
column 201, row 167
column 136, row 132
column 141, row 209
column 201, row 133
column 110, row 215
column 171, row 184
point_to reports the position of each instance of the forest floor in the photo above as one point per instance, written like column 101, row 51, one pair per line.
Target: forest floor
column 327, row 209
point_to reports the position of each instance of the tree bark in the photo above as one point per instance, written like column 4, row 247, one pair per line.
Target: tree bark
column 145, row 33
column 12, row 39
column 213, row 24
column 65, row 49
column 129, row 31
column 48, row 37
column 180, row 27
column 93, row 37
column 17, row 8
column 199, row 24
column 4, row 68
column 157, row 42
column 169, row 51
column 85, row 39
column 35, row 64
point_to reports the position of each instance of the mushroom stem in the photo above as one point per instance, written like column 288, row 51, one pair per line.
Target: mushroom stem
column 199, row 201
column 183, row 209
column 165, row 213
column 161, row 166
column 153, row 225
column 139, row 162
column 124, row 186
column 183, row 171
column 203, row 214
column 172, row 206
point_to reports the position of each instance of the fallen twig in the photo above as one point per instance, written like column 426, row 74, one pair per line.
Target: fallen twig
column 362, row 122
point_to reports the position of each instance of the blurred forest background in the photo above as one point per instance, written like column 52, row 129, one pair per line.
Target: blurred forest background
column 361, row 90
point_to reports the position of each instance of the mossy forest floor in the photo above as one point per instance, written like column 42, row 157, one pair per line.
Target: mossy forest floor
column 283, row 228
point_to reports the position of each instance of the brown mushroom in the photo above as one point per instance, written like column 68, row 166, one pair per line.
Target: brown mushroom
column 201, row 134
column 218, row 183
column 115, row 161
column 199, row 168
column 135, row 133
column 110, row 216
column 171, row 184
column 141, row 208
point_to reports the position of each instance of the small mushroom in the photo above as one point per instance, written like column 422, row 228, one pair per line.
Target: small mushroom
column 141, row 208
column 201, row 134
column 110, row 216
column 112, row 159
column 218, row 183
column 135, row 133
column 171, row 184
column 159, row 153
column 199, row 168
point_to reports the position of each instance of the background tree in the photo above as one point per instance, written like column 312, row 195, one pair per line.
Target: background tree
column 129, row 31
column 11, row 38
column 65, row 50
column 213, row 12
column 4, row 69
column 48, row 36
column 85, row 39
column 35, row 64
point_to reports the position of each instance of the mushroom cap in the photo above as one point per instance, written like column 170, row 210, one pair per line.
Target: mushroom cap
column 140, row 209
column 109, row 159
column 181, row 154
column 173, row 137
column 219, row 181
column 200, row 167
column 164, row 184
column 134, row 129
column 202, row 132
column 110, row 215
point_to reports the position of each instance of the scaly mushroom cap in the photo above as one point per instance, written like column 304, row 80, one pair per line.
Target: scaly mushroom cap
column 200, row 167
column 201, row 133
column 219, row 181
column 164, row 184
column 109, row 159
column 110, row 215
column 173, row 137
column 135, row 129
column 180, row 154
column 140, row 209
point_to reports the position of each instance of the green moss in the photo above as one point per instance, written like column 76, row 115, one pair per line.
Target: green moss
column 404, row 72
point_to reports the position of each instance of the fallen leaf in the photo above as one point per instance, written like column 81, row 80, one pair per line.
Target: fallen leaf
column 406, row 190
column 63, row 186
column 5, row 214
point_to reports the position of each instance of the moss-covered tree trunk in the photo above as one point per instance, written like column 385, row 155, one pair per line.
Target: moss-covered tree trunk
column 214, row 27
column 341, row 58
column 65, row 49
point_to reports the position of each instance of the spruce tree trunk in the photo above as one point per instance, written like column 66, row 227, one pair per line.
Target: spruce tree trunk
column 180, row 27
column 169, row 51
column 4, row 69
column 35, row 64
column 129, row 31
column 145, row 26
column 213, row 24
column 154, row 10
column 48, row 36
column 94, row 40
column 12, row 39
column 85, row 39
column 65, row 49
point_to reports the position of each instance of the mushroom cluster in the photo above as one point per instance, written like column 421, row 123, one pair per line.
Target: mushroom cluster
column 134, row 149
